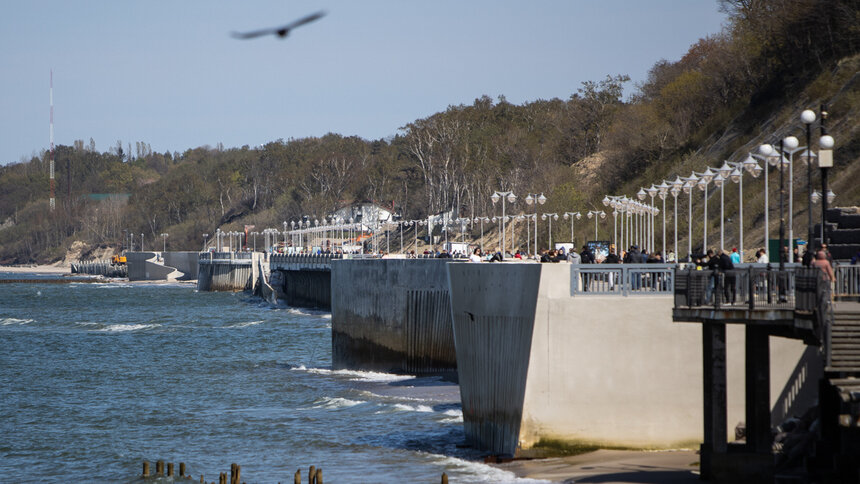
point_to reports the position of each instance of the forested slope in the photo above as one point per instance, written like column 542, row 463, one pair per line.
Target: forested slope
column 730, row 92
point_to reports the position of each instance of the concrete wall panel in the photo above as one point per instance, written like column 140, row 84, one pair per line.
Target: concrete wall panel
column 391, row 315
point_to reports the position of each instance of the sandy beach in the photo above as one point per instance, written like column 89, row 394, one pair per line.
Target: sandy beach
column 36, row 269
column 613, row 467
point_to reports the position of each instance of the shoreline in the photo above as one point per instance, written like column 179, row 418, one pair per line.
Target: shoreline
column 37, row 269
column 612, row 467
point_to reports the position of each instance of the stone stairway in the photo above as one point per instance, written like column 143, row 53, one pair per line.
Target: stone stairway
column 845, row 339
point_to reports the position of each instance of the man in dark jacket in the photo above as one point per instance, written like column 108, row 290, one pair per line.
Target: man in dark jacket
column 727, row 267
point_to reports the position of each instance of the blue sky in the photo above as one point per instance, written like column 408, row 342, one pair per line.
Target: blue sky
column 168, row 73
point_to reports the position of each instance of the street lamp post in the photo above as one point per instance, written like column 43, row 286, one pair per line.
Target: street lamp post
column 688, row 189
column 663, row 188
column 573, row 216
column 677, row 186
column 495, row 197
column 549, row 216
column 704, row 180
column 141, row 242
column 533, row 198
column 652, row 192
column 164, row 245
column 596, row 214
column 807, row 117
column 205, row 239
column 482, row 220
column 825, row 161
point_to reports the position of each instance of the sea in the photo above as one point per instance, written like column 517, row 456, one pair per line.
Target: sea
column 96, row 378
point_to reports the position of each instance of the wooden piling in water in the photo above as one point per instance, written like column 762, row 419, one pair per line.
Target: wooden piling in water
column 297, row 478
column 145, row 469
column 319, row 479
column 170, row 469
column 159, row 468
column 444, row 478
column 182, row 469
column 312, row 473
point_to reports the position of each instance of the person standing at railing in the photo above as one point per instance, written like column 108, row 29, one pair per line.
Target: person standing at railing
column 822, row 263
column 761, row 257
column 713, row 265
column 727, row 268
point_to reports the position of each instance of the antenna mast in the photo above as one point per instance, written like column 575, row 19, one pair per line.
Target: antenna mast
column 53, row 203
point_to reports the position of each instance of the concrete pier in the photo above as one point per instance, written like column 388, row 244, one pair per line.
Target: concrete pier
column 302, row 280
column 227, row 271
column 392, row 315
column 540, row 360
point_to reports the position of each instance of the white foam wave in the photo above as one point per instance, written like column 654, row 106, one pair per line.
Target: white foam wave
column 246, row 324
column 485, row 472
column 452, row 416
column 335, row 403
column 119, row 328
column 354, row 375
column 412, row 408
column 11, row 321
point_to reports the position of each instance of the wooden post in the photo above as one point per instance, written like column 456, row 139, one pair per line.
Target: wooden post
column 170, row 469
column 238, row 473
column 233, row 473
column 297, row 479
column 312, row 473
column 444, row 478
column 159, row 468
column 182, row 469
column 319, row 476
column 145, row 469
column 202, row 480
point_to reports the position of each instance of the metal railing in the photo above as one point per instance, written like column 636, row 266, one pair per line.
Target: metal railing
column 755, row 286
column 622, row 279
column 225, row 255
column 847, row 283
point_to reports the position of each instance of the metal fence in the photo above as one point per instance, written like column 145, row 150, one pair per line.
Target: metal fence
column 622, row 279
column 847, row 283
column 755, row 286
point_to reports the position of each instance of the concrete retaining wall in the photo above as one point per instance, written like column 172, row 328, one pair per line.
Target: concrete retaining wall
column 535, row 363
column 305, row 288
column 392, row 315
column 225, row 276
column 184, row 262
column 142, row 266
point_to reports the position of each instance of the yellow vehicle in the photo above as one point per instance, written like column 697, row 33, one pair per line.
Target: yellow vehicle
column 118, row 260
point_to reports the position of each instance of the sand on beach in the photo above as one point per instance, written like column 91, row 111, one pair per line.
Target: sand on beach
column 36, row 269
column 613, row 466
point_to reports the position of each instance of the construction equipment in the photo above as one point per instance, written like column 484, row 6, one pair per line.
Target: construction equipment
column 118, row 260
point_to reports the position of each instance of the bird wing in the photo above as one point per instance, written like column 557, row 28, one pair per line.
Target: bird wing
column 282, row 31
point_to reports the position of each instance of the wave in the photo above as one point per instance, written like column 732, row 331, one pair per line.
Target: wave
column 355, row 375
column 412, row 408
column 245, row 324
column 335, row 403
column 11, row 321
column 485, row 472
column 119, row 328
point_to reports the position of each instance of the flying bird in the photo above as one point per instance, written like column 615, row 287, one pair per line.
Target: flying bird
column 279, row 31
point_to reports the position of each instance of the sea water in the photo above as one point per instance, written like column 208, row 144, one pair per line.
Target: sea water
column 97, row 378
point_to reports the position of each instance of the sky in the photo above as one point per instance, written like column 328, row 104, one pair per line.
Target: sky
column 168, row 73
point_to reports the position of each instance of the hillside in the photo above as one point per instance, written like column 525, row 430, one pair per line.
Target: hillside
column 731, row 92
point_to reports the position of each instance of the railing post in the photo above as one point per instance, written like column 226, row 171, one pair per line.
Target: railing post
column 751, row 288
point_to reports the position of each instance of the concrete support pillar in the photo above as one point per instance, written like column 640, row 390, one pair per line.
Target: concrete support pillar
column 714, row 376
column 759, row 440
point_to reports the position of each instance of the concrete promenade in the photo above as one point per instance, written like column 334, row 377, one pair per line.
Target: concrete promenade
column 537, row 362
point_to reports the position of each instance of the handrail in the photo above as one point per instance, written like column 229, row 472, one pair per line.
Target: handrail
column 622, row 279
column 752, row 287
column 847, row 282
